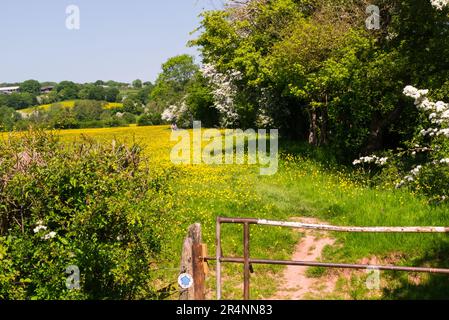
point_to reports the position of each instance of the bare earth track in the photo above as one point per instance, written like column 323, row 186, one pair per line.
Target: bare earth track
column 295, row 285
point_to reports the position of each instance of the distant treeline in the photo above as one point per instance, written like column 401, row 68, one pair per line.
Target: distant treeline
column 29, row 93
column 180, row 85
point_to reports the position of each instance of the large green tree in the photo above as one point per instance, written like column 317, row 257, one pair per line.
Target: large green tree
column 172, row 82
column 67, row 90
column 31, row 86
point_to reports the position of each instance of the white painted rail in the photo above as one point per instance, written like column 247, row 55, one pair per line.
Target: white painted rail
column 300, row 225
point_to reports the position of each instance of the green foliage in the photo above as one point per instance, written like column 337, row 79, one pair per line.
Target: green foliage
column 93, row 92
column 8, row 118
column 171, row 84
column 143, row 95
column 67, row 90
column 137, row 83
column 87, row 110
column 321, row 76
column 32, row 87
column 129, row 118
column 149, row 119
column 133, row 105
column 200, row 102
column 112, row 94
column 99, row 202
column 19, row 100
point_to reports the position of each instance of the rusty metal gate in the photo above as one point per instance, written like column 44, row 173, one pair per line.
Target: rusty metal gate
column 247, row 261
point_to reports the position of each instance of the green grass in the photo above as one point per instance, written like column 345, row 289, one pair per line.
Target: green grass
column 316, row 272
column 129, row 91
column 306, row 188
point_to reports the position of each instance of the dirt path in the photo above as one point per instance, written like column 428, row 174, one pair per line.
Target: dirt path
column 295, row 285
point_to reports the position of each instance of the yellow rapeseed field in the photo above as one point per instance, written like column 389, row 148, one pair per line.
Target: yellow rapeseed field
column 67, row 104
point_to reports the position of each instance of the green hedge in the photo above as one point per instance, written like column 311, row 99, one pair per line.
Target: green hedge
column 86, row 205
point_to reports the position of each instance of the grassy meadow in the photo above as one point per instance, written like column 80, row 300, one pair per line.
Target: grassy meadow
column 303, row 187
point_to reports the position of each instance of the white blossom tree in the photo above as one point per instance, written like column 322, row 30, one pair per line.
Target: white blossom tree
column 224, row 91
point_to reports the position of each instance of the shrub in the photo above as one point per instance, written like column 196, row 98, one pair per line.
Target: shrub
column 88, row 110
column 8, row 117
column 129, row 118
column 149, row 119
column 88, row 205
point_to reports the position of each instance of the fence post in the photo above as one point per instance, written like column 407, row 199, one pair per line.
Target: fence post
column 246, row 265
column 186, row 267
column 192, row 262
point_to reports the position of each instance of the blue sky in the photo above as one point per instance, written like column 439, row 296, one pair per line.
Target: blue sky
column 118, row 39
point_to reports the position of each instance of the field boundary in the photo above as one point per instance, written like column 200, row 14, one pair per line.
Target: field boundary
column 198, row 255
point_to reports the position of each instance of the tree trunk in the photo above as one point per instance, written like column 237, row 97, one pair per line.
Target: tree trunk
column 377, row 131
column 324, row 122
column 313, row 140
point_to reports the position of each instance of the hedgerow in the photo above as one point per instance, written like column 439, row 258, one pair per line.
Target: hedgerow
column 87, row 205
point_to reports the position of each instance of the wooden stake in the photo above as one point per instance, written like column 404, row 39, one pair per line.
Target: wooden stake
column 187, row 267
column 192, row 262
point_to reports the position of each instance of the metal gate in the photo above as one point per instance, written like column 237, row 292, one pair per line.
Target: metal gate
column 247, row 261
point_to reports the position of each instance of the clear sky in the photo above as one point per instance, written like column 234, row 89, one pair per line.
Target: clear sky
column 118, row 40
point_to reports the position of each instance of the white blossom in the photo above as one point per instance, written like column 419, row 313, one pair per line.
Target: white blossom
column 439, row 4
column 169, row 114
column 50, row 235
column 179, row 112
column 371, row 159
column 416, row 171
column 39, row 228
column 438, row 115
column 224, row 92
column 400, row 184
column 439, row 111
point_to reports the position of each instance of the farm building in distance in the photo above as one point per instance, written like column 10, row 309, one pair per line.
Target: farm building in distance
column 9, row 90
column 47, row 89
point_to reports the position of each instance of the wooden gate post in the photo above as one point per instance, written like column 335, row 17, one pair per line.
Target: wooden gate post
column 192, row 263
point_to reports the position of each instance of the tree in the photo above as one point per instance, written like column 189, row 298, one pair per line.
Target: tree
column 20, row 100
column 173, row 81
column 31, row 86
column 59, row 117
column 178, row 71
column 137, row 84
column 143, row 95
column 200, row 101
column 112, row 94
column 112, row 83
column 93, row 92
column 87, row 110
column 132, row 105
column 8, row 118
column 149, row 119
column 67, row 90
